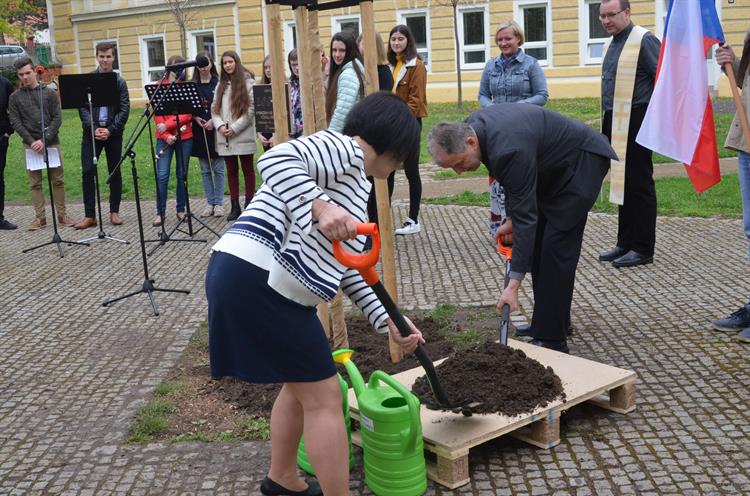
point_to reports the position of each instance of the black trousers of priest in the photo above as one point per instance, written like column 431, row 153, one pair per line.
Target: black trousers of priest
column 636, row 220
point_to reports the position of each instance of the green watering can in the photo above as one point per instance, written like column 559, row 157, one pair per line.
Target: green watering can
column 302, row 461
column 391, row 432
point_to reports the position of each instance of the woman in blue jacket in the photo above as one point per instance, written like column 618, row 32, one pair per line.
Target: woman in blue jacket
column 512, row 76
column 346, row 79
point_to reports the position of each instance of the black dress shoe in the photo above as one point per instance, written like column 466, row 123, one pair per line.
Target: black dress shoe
column 524, row 331
column 612, row 254
column 6, row 225
column 270, row 488
column 631, row 259
column 561, row 346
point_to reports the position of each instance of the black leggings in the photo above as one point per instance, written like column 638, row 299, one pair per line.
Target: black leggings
column 411, row 167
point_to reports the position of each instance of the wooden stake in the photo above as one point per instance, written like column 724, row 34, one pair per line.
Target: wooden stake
column 278, row 77
column 729, row 70
column 316, row 79
column 385, row 222
column 305, row 66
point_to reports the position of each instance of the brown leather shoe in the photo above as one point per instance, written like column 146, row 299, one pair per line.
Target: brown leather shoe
column 67, row 221
column 114, row 218
column 85, row 223
column 37, row 224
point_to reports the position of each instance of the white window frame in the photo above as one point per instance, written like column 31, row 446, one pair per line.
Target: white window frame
column 142, row 42
column 518, row 11
column 289, row 39
column 585, row 40
column 192, row 48
column 460, row 14
column 336, row 22
column 116, row 41
column 403, row 15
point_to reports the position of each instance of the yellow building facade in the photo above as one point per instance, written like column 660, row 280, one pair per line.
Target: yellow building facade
column 564, row 35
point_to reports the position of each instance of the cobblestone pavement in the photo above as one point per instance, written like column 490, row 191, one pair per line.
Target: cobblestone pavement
column 73, row 373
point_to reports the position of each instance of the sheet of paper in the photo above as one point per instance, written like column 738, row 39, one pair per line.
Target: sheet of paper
column 35, row 161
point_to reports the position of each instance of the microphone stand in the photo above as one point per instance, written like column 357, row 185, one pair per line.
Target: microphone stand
column 101, row 236
column 56, row 238
column 148, row 283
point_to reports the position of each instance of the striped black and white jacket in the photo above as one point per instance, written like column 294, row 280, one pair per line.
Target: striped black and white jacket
column 277, row 233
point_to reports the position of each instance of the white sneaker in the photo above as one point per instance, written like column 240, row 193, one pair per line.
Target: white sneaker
column 409, row 227
column 208, row 211
column 218, row 211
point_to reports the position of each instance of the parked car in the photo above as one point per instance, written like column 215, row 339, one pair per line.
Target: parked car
column 9, row 54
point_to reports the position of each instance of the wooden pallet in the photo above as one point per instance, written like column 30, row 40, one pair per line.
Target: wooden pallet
column 449, row 436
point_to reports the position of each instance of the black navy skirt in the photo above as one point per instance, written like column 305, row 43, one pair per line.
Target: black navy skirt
column 257, row 335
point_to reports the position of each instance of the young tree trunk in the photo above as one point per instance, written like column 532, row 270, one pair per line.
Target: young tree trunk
column 458, row 56
column 183, row 41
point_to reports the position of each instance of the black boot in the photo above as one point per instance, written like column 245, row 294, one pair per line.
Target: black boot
column 235, row 212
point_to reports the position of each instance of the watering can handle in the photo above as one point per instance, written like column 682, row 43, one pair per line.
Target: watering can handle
column 411, row 402
column 365, row 262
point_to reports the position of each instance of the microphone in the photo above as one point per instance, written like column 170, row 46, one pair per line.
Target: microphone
column 200, row 61
column 40, row 70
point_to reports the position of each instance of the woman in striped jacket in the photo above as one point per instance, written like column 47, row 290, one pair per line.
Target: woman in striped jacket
column 275, row 264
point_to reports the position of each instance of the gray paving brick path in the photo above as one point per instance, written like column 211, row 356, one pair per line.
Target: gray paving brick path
column 73, row 374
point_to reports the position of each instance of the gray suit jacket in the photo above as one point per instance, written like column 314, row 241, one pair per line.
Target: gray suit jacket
column 546, row 162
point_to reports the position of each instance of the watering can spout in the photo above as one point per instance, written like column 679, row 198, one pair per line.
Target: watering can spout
column 344, row 356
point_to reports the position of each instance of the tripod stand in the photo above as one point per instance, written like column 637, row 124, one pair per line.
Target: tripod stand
column 79, row 90
column 182, row 99
column 56, row 238
column 148, row 284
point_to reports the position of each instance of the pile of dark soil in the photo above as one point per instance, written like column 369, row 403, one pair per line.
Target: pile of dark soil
column 370, row 354
column 502, row 379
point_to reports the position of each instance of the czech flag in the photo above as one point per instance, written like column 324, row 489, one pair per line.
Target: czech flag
column 679, row 122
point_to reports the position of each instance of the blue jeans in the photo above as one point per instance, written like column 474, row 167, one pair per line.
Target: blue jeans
column 744, row 178
column 162, row 174
column 212, row 172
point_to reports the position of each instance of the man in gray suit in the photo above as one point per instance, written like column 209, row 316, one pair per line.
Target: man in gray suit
column 552, row 169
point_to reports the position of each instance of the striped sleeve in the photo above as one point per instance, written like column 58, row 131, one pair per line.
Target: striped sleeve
column 362, row 295
column 286, row 173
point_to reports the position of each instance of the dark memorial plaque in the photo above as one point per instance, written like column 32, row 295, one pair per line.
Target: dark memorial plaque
column 263, row 107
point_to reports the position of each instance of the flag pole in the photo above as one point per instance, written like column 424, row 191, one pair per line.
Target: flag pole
column 729, row 71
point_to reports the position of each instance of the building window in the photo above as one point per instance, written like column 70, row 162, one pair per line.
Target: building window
column 473, row 29
column 116, row 64
column 419, row 23
column 535, row 19
column 153, row 58
column 290, row 37
column 349, row 23
column 594, row 35
column 203, row 40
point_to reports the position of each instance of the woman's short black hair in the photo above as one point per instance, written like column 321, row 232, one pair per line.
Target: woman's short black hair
column 384, row 121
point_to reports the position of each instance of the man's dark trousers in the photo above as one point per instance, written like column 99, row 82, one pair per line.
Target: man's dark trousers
column 3, row 158
column 636, row 222
column 113, row 149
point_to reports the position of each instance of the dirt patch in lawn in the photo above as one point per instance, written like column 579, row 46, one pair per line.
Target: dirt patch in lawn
column 201, row 408
column 501, row 379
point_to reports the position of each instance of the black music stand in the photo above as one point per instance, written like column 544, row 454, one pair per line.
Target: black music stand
column 181, row 98
column 95, row 89
column 56, row 238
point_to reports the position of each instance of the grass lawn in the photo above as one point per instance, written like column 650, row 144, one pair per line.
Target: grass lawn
column 16, row 182
column 17, row 185
column 675, row 196
column 583, row 109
